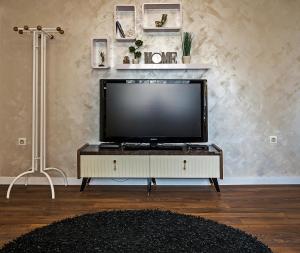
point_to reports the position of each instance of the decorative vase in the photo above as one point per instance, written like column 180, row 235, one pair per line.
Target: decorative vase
column 186, row 59
column 135, row 61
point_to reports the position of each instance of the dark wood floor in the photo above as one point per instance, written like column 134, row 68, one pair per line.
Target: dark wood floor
column 272, row 213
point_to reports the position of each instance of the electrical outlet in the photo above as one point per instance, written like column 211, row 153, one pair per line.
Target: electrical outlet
column 273, row 139
column 22, row 141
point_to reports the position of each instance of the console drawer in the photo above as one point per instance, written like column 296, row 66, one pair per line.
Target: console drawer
column 185, row 166
column 114, row 166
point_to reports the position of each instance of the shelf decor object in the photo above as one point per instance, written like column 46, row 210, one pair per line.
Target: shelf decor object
column 125, row 22
column 187, row 39
column 153, row 12
column 163, row 66
column 39, row 92
column 135, row 51
column 163, row 20
column 160, row 58
column 100, row 53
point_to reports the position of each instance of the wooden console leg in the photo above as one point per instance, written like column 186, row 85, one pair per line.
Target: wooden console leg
column 83, row 184
column 148, row 186
column 153, row 180
column 88, row 181
column 216, row 184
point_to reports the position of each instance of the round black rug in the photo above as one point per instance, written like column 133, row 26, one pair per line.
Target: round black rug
column 136, row 231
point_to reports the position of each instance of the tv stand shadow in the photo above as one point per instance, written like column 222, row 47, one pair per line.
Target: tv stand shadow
column 94, row 161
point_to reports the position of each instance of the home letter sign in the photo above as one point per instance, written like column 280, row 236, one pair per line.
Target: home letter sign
column 160, row 58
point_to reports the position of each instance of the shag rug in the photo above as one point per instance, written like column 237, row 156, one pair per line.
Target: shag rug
column 135, row 232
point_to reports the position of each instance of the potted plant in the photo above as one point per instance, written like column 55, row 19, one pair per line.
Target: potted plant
column 187, row 39
column 134, row 50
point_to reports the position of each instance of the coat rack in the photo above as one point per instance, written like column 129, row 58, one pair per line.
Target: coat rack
column 38, row 161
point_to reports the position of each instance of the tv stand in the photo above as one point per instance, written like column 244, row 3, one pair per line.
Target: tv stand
column 96, row 161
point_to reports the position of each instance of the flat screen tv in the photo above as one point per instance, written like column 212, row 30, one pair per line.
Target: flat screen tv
column 153, row 111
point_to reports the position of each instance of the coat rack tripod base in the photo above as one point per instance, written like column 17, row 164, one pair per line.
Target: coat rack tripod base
column 26, row 174
column 38, row 161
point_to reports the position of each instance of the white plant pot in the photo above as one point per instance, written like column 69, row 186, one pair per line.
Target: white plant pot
column 135, row 61
column 186, row 59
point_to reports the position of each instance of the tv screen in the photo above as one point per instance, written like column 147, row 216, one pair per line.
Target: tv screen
column 153, row 111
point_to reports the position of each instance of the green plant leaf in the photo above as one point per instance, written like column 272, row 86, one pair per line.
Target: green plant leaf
column 187, row 39
column 137, row 54
column 131, row 49
column 138, row 43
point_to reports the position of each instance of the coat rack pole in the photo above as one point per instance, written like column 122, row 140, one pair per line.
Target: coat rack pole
column 39, row 92
column 34, row 102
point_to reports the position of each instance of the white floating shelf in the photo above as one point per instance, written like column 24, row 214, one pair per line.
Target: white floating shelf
column 153, row 12
column 126, row 15
column 99, row 45
column 163, row 66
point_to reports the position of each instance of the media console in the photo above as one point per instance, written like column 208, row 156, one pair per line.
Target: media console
column 94, row 161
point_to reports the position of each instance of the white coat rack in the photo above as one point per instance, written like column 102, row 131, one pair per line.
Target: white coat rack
column 38, row 161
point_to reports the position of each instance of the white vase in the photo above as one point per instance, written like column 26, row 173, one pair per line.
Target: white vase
column 186, row 59
column 135, row 61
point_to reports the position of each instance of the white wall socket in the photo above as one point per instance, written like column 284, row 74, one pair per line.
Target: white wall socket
column 22, row 141
column 273, row 139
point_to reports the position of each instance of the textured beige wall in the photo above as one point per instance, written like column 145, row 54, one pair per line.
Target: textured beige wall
column 254, row 88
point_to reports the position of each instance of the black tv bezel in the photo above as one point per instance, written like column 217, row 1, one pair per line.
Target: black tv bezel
column 154, row 139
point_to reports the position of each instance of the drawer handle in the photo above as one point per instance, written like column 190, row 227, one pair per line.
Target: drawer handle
column 115, row 165
column 184, row 164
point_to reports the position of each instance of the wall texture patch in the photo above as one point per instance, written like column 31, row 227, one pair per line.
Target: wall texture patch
column 254, row 86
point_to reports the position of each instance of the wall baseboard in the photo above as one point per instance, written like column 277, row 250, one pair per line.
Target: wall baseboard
column 141, row 181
